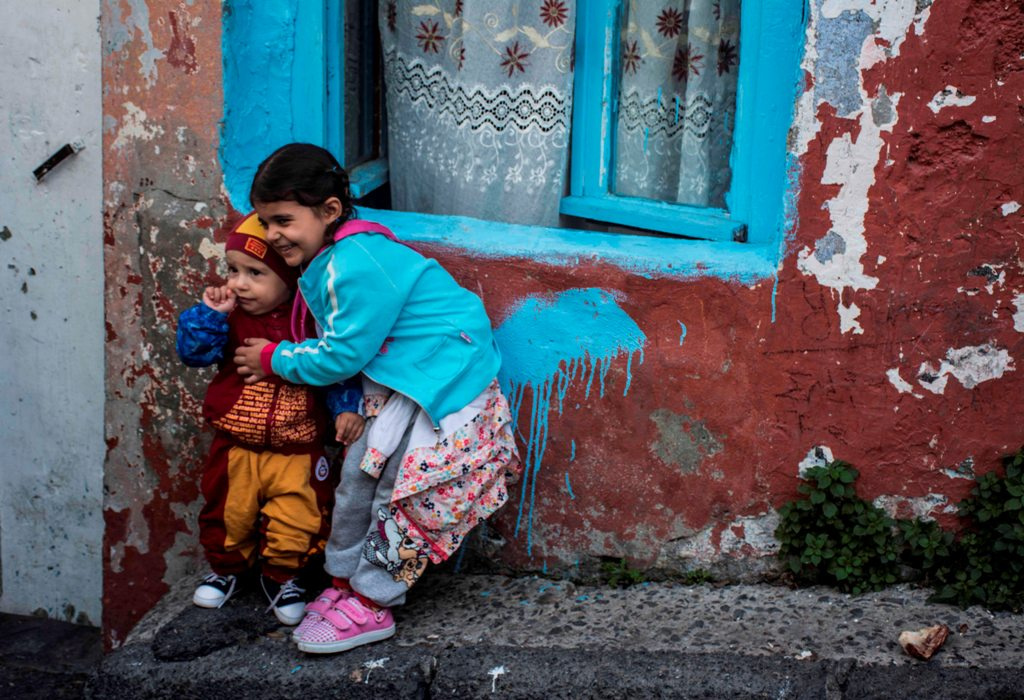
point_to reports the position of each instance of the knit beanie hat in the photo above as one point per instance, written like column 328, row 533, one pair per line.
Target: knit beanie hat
column 249, row 237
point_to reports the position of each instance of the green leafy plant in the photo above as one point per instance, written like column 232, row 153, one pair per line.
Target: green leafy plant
column 619, row 574
column 925, row 546
column 833, row 537
column 695, row 577
column 986, row 562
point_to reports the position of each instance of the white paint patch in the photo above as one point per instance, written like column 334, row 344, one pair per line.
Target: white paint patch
column 494, row 673
column 851, row 164
column 697, row 548
column 1018, row 316
column 751, row 536
column 372, row 664
column 901, row 384
column 988, row 119
column 848, row 319
column 969, row 365
column 817, row 456
column 210, row 250
column 134, row 127
column 1010, row 208
column 805, row 118
column 950, row 97
column 923, row 507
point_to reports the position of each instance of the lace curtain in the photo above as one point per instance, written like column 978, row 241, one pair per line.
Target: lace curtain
column 677, row 98
column 479, row 101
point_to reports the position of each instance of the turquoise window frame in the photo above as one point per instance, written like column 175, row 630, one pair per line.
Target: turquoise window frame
column 270, row 100
column 758, row 160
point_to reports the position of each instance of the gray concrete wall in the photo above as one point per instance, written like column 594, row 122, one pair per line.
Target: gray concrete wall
column 51, row 319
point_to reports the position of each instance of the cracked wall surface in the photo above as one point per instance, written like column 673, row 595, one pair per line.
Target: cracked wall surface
column 892, row 337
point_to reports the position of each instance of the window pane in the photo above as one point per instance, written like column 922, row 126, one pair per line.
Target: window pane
column 677, row 97
column 479, row 94
column 363, row 101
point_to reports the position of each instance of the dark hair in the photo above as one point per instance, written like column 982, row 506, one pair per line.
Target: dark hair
column 303, row 173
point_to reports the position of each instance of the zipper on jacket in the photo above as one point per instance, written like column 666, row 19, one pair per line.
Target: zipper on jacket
column 271, row 412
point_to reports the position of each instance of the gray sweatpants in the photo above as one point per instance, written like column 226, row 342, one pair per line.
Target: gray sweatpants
column 364, row 540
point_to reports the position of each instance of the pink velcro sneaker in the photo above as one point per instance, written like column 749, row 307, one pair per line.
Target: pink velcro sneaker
column 347, row 624
column 316, row 609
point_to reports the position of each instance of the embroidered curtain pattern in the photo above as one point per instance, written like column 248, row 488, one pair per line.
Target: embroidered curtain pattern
column 677, row 99
column 479, row 101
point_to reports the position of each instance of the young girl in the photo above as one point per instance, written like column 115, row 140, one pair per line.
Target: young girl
column 441, row 451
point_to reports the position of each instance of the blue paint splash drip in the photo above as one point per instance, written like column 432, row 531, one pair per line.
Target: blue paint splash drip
column 547, row 344
column 682, row 332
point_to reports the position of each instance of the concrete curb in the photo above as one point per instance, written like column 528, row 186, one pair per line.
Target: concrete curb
column 492, row 636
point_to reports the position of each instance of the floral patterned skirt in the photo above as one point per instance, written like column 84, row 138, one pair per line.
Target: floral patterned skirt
column 446, row 486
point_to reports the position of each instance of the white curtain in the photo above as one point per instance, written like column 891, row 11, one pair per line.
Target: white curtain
column 677, row 99
column 479, row 101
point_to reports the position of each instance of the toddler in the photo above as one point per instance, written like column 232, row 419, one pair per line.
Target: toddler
column 267, row 484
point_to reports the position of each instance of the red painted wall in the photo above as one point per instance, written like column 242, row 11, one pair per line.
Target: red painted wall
column 686, row 469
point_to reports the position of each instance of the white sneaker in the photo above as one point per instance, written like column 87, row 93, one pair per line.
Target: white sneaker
column 215, row 590
column 287, row 599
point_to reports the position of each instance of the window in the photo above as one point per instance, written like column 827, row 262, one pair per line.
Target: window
column 356, row 124
column 348, row 117
column 770, row 32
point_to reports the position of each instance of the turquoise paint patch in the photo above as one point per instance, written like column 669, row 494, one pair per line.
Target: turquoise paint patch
column 572, row 453
column 547, row 345
column 682, row 332
column 568, row 487
column 257, row 89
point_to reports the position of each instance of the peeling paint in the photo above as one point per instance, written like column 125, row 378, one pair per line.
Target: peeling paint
column 752, row 536
column 950, row 97
column 923, row 507
column 817, row 456
column 134, row 127
column 969, row 365
column 682, row 441
column 963, row 470
column 121, row 32
column 836, row 72
column 872, row 32
column 1010, row 208
column 901, row 385
column 848, row 318
column 829, row 246
column 1018, row 315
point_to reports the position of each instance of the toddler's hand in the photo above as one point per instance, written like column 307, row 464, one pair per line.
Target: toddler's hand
column 220, row 299
column 349, row 427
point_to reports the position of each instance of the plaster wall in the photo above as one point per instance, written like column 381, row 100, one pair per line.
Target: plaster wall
column 51, row 342
column 664, row 415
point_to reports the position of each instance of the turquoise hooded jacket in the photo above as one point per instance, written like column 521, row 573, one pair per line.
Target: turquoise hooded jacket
column 398, row 317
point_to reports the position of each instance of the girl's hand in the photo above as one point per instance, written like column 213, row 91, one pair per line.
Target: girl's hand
column 348, row 427
column 220, row 299
column 247, row 357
